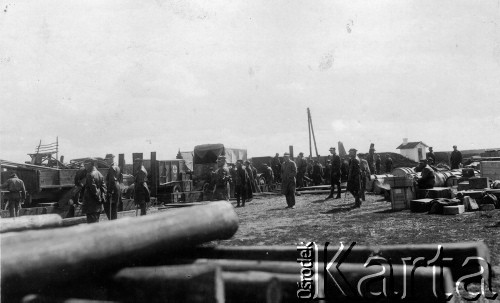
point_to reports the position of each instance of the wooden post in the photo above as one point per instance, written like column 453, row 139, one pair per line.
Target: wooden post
column 309, row 126
column 67, row 253
column 175, row 283
column 155, row 182
column 121, row 162
column 290, row 148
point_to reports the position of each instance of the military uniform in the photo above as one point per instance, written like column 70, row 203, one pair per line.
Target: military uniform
column 114, row 196
column 241, row 185
column 335, row 176
column 431, row 157
column 288, row 174
column 94, row 195
column 354, row 180
column 455, row 159
column 16, row 194
column 141, row 190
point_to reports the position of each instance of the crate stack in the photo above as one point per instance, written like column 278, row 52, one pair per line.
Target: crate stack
column 402, row 191
column 164, row 258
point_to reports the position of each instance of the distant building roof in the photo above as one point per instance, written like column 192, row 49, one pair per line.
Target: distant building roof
column 411, row 145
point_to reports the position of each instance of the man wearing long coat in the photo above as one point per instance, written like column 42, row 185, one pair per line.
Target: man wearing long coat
column 455, row 158
column 16, row 194
column 354, row 178
column 288, row 174
column 114, row 195
column 141, row 190
column 94, row 192
column 241, row 184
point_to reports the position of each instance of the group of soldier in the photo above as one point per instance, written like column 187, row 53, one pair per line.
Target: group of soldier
column 100, row 192
column 242, row 180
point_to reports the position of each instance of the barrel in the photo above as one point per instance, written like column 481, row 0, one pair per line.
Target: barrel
column 403, row 171
column 442, row 177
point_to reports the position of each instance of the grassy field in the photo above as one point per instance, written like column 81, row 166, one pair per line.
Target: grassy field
column 266, row 221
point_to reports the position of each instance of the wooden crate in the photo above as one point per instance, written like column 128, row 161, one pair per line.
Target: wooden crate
column 401, row 197
column 490, row 169
column 479, row 183
column 434, row 193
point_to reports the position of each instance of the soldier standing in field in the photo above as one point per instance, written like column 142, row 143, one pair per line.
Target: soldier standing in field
column 114, row 195
column 269, row 176
column 288, row 174
column 455, row 158
column 354, row 177
column 241, row 184
column 335, row 174
column 141, row 190
column 16, row 194
column 94, row 192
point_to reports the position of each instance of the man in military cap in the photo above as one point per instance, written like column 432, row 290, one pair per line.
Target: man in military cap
column 241, row 184
column 354, row 177
column 335, row 174
column 222, row 177
column 94, row 192
column 301, row 164
column 141, row 190
column 16, row 194
column 288, row 174
column 114, row 196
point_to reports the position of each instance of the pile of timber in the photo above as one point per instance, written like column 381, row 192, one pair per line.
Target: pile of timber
column 162, row 258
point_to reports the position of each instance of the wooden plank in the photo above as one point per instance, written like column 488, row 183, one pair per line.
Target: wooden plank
column 120, row 242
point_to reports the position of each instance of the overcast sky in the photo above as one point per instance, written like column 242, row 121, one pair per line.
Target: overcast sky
column 140, row 76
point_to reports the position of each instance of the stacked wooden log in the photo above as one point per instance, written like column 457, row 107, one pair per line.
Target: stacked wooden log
column 159, row 258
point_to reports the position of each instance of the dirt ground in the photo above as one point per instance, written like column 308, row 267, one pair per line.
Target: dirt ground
column 266, row 221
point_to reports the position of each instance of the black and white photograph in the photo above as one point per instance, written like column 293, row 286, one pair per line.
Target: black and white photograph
column 249, row 151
